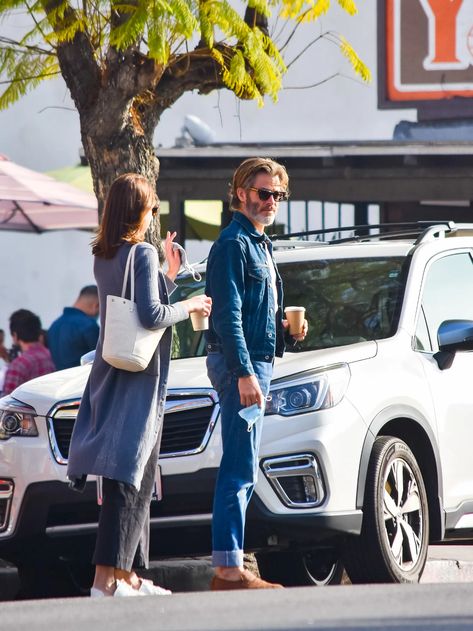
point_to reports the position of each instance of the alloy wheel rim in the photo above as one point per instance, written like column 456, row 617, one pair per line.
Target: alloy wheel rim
column 403, row 515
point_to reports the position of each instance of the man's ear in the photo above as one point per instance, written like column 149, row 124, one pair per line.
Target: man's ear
column 241, row 194
column 14, row 337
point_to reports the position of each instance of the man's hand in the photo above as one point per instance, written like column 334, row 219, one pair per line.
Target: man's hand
column 250, row 392
column 300, row 336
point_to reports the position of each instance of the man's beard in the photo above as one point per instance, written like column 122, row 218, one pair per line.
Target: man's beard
column 261, row 217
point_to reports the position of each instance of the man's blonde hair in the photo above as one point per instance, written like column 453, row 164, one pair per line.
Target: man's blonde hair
column 245, row 175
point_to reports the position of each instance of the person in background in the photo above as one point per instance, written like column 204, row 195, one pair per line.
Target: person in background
column 76, row 331
column 34, row 359
column 117, row 432
column 4, row 354
column 4, row 358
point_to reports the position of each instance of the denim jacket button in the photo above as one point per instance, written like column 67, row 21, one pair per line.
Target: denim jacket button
column 270, row 335
column 266, row 356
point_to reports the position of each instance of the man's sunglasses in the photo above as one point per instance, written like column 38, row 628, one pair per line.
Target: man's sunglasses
column 264, row 194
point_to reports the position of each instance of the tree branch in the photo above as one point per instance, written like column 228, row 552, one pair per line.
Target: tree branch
column 76, row 59
column 305, row 49
column 202, row 73
column 13, row 45
column 38, row 76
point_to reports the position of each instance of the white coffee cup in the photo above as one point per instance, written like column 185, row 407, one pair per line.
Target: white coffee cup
column 199, row 322
column 295, row 317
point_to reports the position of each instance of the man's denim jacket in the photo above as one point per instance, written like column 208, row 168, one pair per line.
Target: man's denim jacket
column 242, row 323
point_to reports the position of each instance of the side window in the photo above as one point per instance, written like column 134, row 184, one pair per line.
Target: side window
column 422, row 338
column 448, row 292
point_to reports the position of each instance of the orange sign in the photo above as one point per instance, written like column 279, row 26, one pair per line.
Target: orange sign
column 429, row 49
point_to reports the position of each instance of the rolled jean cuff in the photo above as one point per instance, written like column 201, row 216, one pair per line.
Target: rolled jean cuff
column 227, row 558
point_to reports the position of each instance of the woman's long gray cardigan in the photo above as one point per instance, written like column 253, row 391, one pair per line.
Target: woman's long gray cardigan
column 121, row 412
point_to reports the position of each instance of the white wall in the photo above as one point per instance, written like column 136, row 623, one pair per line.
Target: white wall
column 41, row 131
column 43, row 273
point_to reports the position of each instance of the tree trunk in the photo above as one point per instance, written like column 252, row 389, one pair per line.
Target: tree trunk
column 111, row 156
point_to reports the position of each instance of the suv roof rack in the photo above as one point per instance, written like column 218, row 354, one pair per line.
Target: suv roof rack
column 420, row 229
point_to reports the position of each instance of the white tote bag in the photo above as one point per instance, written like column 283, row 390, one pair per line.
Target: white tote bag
column 126, row 343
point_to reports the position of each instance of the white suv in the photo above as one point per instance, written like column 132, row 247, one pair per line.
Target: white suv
column 365, row 454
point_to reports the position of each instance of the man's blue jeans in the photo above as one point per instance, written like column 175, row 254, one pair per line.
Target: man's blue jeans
column 239, row 465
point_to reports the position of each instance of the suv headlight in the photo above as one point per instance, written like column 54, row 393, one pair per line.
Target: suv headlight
column 16, row 419
column 309, row 391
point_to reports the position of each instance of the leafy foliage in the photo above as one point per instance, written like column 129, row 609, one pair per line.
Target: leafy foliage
column 166, row 31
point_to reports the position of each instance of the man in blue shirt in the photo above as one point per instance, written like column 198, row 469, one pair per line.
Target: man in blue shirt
column 246, row 331
column 76, row 331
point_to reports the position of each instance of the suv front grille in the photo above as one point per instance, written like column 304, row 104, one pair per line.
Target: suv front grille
column 189, row 419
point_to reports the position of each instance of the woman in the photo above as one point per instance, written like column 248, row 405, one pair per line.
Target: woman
column 118, row 427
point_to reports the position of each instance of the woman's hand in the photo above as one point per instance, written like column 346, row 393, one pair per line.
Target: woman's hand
column 173, row 257
column 201, row 304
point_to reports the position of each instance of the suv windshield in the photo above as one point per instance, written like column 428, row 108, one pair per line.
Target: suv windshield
column 346, row 301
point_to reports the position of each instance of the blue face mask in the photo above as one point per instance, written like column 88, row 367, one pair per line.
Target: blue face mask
column 252, row 414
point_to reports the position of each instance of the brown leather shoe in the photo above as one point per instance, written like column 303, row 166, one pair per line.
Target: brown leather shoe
column 221, row 584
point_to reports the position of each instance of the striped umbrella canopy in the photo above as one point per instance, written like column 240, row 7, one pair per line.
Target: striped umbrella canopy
column 35, row 202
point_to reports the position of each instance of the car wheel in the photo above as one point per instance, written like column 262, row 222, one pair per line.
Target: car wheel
column 295, row 567
column 392, row 547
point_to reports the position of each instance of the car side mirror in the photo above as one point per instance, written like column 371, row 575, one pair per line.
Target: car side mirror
column 453, row 336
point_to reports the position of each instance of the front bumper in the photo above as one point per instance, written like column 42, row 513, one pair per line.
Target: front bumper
column 54, row 515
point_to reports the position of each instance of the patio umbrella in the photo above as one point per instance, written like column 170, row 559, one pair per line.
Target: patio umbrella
column 34, row 202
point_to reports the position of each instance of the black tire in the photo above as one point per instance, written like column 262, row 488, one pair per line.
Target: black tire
column 294, row 568
column 392, row 547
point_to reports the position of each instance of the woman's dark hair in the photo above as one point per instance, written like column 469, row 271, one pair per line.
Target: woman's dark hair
column 130, row 197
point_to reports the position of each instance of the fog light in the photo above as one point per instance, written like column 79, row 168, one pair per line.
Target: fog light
column 297, row 480
column 309, row 488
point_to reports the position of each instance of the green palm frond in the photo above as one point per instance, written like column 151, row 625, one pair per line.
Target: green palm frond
column 184, row 21
column 206, row 26
column 131, row 30
column 360, row 68
column 157, row 41
column 8, row 5
column 27, row 74
column 273, row 52
column 250, row 62
column 320, row 8
column 349, row 6
column 261, row 6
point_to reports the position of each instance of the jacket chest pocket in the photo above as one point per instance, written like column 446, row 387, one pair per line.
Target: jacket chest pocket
column 258, row 280
column 258, row 273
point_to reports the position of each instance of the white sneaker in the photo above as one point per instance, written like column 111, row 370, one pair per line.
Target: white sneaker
column 147, row 588
column 122, row 589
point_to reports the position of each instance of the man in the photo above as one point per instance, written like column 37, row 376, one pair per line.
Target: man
column 34, row 359
column 75, row 332
column 245, row 333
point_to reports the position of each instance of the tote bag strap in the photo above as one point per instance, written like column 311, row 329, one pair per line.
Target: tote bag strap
column 130, row 270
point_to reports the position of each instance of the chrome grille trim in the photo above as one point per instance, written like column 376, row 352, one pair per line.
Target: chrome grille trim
column 192, row 399
column 6, row 496
column 50, row 424
column 192, row 404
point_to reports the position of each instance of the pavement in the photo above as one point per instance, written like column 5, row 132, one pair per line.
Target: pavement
column 445, row 564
